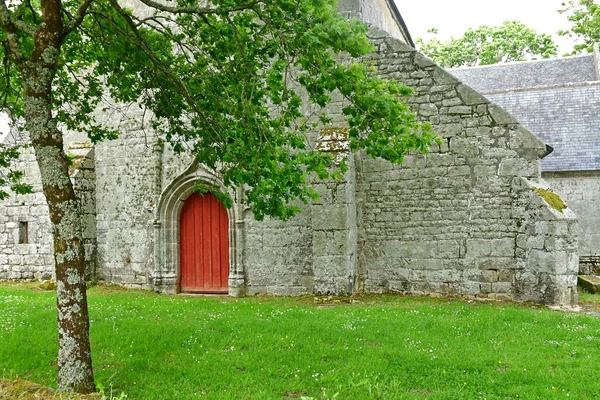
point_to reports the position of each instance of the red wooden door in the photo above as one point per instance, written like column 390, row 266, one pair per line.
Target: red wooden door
column 204, row 245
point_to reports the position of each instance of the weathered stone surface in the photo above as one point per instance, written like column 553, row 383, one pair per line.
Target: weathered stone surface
column 460, row 110
column 34, row 257
column 591, row 283
column 427, row 110
column 500, row 116
column 441, row 77
column 580, row 190
column 423, row 62
column 469, row 96
column 527, row 144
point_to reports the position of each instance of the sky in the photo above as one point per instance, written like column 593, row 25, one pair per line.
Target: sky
column 453, row 17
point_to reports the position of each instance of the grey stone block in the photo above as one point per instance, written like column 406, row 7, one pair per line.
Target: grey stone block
column 469, row 96
column 442, row 77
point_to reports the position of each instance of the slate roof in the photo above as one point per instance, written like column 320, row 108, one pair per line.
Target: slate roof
column 529, row 74
column 558, row 100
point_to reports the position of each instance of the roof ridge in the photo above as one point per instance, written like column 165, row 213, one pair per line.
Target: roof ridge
column 501, row 65
column 542, row 87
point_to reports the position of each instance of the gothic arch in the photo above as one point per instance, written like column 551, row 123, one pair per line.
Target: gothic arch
column 167, row 235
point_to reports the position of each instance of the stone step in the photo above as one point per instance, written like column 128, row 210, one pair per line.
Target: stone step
column 591, row 283
column 589, row 265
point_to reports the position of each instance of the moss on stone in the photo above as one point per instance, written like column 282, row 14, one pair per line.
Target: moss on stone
column 551, row 198
column 48, row 285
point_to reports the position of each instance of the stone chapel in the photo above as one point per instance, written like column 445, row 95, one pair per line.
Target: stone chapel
column 471, row 218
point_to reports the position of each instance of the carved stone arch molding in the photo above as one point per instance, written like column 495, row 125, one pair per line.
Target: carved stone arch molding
column 167, row 233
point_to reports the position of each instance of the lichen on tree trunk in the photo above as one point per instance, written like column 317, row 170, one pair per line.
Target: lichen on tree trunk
column 37, row 71
column 74, row 357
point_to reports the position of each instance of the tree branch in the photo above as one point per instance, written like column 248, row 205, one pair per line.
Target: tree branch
column 11, row 28
column 33, row 14
column 198, row 10
column 78, row 17
column 7, row 87
column 11, row 25
column 143, row 45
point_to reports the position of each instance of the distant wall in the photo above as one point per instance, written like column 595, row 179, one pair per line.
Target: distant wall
column 34, row 259
column 379, row 14
column 373, row 12
column 581, row 190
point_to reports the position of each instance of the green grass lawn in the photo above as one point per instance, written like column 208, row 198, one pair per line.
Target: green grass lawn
column 154, row 346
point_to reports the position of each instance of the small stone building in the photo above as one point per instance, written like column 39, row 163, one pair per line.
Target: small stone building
column 467, row 219
column 558, row 100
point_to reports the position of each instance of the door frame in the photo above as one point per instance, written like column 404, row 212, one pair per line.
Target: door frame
column 167, row 264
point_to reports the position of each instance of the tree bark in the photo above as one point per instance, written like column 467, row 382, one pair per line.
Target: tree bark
column 74, row 356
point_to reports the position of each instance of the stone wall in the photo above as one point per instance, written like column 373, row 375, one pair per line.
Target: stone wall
column 546, row 245
column 33, row 259
column 377, row 13
column 455, row 221
column 558, row 100
column 83, row 176
column 461, row 220
column 447, row 222
column 128, row 182
column 335, row 233
column 581, row 190
column 278, row 257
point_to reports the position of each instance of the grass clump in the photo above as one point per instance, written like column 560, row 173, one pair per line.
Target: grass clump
column 551, row 198
column 23, row 389
column 154, row 346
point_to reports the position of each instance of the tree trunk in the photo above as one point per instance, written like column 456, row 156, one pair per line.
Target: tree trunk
column 74, row 357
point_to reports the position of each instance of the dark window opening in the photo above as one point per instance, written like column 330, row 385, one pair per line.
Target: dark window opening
column 23, row 232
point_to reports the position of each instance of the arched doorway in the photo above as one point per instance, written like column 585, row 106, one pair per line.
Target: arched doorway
column 204, row 245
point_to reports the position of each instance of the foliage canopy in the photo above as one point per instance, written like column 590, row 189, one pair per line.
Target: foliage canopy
column 228, row 82
column 585, row 18
column 511, row 41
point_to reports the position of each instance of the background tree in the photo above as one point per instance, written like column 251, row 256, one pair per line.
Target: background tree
column 585, row 18
column 226, row 80
column 511, row 41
